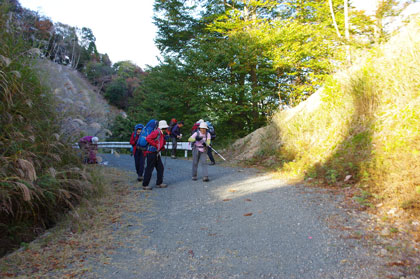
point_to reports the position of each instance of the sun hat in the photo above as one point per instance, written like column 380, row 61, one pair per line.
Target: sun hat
column 163, row 124
column 203, row 125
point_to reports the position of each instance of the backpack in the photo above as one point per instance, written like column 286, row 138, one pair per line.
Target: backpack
column 195, row 128
column 211, row 130
column 150, row 127
column 171, row 126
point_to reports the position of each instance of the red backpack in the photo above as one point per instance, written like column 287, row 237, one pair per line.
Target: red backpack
column 171, row 126
column 195, row 128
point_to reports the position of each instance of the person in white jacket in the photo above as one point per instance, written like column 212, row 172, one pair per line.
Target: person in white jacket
column 201, row 140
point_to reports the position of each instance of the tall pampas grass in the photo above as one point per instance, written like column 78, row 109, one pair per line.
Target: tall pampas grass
column 41, row 177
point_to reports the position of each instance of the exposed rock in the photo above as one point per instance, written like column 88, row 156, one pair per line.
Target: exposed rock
column 84, row 110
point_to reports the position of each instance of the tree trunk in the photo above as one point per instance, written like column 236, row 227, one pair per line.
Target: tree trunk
column 72, row 54
column 347, row 32
column 333, row 18
column 254, row 91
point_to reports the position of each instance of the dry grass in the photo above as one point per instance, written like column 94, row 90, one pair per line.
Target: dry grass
column 85, row 236
column 367, row 126
column 40, row 175
column 365, row 122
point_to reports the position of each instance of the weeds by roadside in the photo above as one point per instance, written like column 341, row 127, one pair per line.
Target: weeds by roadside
column 86, row 231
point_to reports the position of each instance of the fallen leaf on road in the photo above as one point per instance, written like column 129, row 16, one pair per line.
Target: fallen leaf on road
column 232, row 190
column 248, row 199
column 191, row 253
column 397, row 263
column 248, row 214
column 227, row 199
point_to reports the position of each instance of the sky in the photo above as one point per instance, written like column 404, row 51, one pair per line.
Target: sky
column 123, row 29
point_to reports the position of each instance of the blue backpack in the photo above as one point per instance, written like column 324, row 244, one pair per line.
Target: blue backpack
column 150, row 127
column 211, row 130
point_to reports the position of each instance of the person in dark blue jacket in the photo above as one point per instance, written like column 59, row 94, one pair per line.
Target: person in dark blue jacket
column 213, row 137
column 139, row 157
column 175, row 136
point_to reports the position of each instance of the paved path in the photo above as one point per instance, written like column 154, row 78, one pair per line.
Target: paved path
column 195, row 229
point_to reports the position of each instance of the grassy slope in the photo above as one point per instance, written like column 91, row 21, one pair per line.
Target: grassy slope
column 364, row 123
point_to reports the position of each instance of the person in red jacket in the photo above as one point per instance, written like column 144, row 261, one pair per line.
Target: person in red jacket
column 157, row 142
column 138, row 154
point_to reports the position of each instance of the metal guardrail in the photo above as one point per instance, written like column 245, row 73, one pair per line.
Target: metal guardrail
column 117, row 144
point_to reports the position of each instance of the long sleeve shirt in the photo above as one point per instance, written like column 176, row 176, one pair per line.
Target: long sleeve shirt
column 156, row 140
column 205, row 138
column 133, row 141
column 176, row 131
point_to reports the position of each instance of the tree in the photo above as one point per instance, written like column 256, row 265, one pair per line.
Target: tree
column 117, row 93
column 167, row 92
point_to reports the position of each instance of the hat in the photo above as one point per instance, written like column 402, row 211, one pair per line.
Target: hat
column 138, row 126
column 200, row 121
column 203, row 125
column 95, row 139
column 163, row 124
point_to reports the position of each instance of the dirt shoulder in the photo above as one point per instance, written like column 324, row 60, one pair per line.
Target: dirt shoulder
column 85, row 232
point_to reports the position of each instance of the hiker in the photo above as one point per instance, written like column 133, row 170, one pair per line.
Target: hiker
column 172, row 123
column 89, row 146
column 156, row 143
column 175, row 136
column 200, row 139
column 195, row 126
column 137, row 152
column 213, row 136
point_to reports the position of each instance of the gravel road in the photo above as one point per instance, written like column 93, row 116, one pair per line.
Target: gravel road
column 241, row 224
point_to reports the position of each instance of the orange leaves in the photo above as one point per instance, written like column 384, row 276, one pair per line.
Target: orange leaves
column 248, row 214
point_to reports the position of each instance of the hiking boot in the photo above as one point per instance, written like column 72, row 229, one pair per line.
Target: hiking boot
column 173, row 157
column 212, row 163
column 206, row 179
column 194, row 178
column 147, row 188
column 140, row 178
column 161, row 185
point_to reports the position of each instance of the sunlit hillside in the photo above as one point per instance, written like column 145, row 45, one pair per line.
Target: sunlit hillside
column 361, row 128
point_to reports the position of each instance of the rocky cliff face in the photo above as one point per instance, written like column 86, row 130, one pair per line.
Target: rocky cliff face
column 83, row 111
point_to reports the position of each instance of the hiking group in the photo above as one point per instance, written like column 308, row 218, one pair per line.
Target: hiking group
column 150, row 140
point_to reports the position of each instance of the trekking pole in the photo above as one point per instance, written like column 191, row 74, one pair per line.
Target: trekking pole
column 166, row 153
column 217, row 153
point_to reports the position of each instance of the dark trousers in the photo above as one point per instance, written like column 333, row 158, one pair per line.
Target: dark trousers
column 153, row 161
column 139, row 162
column 174, row 144
column 210, row 154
